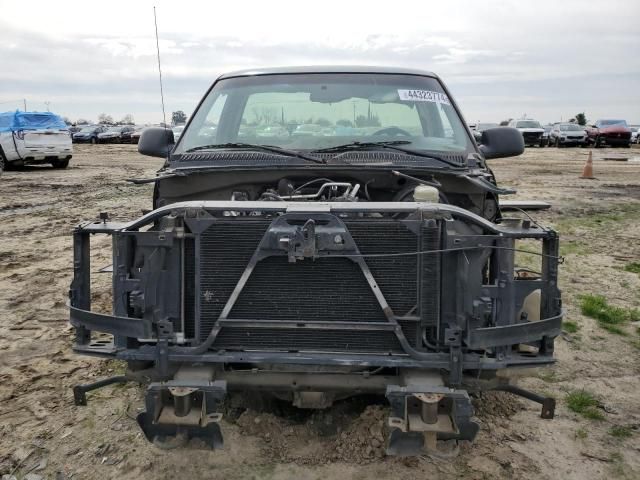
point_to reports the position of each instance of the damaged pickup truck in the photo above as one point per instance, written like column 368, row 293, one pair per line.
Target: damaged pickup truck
column 319, row 233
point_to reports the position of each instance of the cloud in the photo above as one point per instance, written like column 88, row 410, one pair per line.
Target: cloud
column 499, row 58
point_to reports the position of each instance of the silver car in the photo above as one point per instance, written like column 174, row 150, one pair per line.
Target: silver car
column 567, row 134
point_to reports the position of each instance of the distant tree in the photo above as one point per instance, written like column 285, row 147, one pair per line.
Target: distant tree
column 372, row 121
column 265, row 116
column 127, row 120
column 581, row 118
column 504, row 123
column 103, row 118
column 344, row 123
column 82, row 121
column 66, row 120
column 178, row 117
column 323, row 122
column 572, row 120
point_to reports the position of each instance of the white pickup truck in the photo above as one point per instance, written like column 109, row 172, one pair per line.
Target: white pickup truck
column 28, row 138
column 531, row 131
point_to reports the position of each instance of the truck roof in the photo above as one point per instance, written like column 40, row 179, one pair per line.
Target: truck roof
column 327, row 69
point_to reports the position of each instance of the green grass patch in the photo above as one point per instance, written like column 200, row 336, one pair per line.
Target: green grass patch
column 608, row 317
column 620, row 431
column 596, row 306
column 585, row 404
column 548, row 375
column 570, row 327
column 572, row 247
column 633, row 267
column 581, row 433
column 616, row 330
column 618, row 467
column 597, row 220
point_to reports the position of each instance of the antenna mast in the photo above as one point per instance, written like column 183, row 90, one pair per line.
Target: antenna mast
column 164, row 116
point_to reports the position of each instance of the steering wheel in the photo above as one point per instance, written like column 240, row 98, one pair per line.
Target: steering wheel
column 392, row 132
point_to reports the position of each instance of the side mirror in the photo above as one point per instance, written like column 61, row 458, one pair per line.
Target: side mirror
column 477, row 136
column 501, row 142
column 156, row 142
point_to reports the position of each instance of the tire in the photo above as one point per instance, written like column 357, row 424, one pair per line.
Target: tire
column 60, row 164
column 4, row 165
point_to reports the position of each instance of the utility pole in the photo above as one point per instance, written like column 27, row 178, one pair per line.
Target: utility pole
column 47, row 103
column 24, row 101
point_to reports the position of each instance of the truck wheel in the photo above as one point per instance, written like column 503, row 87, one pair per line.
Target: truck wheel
column 60, row 164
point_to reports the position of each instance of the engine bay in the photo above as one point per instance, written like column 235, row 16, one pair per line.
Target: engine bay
column 333, row 186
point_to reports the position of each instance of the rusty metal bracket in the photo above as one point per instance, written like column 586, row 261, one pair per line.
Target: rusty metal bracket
column 548, row 403
column 80, row 391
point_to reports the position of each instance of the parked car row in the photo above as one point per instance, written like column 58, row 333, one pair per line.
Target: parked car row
column 103, row 134
column 112, row 134
column 612, row 133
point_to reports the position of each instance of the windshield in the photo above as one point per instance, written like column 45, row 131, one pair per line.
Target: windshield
column 609, row 123
column 528, row 124
column 114, row 130
column 571, row 127
column 88, row 129
column 314, row 111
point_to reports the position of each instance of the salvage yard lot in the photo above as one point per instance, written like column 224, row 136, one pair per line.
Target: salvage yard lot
column 596, row 381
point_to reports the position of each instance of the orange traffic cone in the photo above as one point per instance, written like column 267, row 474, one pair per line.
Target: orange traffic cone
column 587, row 171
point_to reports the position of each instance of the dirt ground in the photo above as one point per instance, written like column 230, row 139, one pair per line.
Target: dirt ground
column 43, row 434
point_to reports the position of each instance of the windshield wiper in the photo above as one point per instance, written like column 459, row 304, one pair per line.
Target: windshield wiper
column 391, row 145
column 265, row 148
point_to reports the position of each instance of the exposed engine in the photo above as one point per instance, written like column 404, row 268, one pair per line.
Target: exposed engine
column 399, row 188
column 318, row 189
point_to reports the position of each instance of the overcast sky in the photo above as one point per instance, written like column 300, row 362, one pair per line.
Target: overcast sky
column 501, row 59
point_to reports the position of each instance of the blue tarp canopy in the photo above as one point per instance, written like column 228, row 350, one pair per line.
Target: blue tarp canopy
column 12, row 121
